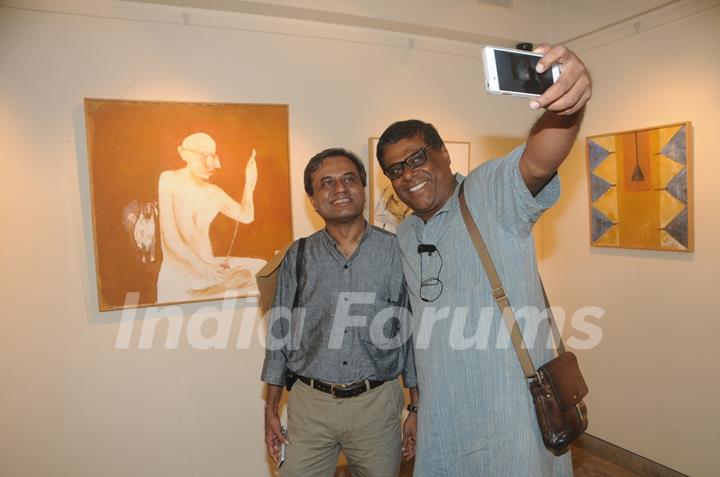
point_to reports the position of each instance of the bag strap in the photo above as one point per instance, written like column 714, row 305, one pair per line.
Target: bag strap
column 499, row 296
column 559, row 345
column 298, row 270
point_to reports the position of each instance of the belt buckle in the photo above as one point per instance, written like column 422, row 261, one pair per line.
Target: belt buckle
column 333, row 386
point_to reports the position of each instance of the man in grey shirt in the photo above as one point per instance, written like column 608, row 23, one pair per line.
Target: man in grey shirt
column 338, row 336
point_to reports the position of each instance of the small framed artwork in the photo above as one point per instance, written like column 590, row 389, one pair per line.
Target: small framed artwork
column 189, row 200
column 640, row 188
column 386, row 210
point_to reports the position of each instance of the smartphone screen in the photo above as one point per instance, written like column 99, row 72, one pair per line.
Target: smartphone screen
column 516, row 72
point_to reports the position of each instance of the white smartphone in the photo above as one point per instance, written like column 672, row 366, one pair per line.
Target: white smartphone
column 512, row 72
column 283, row 448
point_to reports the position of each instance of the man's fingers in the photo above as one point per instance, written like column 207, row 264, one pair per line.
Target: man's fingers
column 281, row 437
column 542, row 48
column 277, row 433
column 274, row 436
column 578, row 106
column 564, row 83
column 572, row 97
column 572, row 90
column 567, row 100
column 408, row 446
column 552, row 94
column 574, row 107
column 557, row 54
column 408, row 452
column 272, row 449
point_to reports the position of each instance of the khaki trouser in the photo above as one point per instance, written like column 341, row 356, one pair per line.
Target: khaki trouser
column 365, row 427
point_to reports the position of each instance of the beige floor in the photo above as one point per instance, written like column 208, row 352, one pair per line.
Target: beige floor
column 587, row 464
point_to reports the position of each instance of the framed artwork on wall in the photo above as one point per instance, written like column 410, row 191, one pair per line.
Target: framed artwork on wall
column 189, row 200
column 386, row 210
column 640, row 187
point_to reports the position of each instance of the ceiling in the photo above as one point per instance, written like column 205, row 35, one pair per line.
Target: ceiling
column 476, row 21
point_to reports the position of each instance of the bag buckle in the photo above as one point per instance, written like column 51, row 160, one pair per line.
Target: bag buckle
column 498, row 293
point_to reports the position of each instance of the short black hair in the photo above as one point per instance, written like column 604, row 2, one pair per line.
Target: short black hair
column 317, row 160
column 407, row 129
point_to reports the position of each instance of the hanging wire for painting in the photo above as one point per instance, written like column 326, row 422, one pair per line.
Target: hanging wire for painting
column 186, row 24
column 226, row 262
column 152, row 60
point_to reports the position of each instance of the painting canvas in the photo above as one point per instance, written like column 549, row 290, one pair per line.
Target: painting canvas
column 189, row 200
column 386, row 210
column 640, row 188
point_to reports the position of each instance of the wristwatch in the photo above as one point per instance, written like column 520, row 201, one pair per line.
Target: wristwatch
column 412, row 408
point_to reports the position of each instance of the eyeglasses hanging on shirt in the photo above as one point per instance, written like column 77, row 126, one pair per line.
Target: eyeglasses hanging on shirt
column 430, row 288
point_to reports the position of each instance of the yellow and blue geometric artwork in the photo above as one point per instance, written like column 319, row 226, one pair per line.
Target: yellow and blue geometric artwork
column 640, row 189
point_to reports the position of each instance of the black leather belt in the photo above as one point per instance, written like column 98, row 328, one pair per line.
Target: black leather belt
column 341, row 390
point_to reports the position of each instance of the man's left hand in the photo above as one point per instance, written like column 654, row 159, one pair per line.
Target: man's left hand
column 409, row 437
column 573, row 88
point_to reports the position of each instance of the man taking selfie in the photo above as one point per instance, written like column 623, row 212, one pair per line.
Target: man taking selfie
column 475, row 414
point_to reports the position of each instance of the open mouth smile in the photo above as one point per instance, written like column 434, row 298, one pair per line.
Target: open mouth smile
column 417, row 187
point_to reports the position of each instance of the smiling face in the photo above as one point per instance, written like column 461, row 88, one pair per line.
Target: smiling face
column 338, row 194
column 426, row 188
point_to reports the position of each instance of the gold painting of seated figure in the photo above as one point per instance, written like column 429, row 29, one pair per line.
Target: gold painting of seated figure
column 189, row 199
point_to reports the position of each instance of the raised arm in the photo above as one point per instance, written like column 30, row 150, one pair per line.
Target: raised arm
column 554, row 133
column 245, row 210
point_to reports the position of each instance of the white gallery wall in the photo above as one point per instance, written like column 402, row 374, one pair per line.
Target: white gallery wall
column 72, row 404
column 654, row 378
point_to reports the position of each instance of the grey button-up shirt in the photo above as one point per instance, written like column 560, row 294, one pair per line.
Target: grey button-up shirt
column 352, row 321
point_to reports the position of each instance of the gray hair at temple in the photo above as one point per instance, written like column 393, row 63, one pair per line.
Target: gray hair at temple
column 407, row 129
column 317, row 160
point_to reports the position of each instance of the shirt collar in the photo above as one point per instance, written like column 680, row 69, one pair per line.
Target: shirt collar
column 329, row 240
column 459, row 178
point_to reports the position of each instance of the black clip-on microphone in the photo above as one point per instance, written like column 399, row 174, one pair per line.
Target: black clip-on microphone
column 426, row 248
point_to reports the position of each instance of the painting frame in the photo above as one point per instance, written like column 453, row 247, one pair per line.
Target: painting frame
column 640, row 188
column 231, row 127
column 378, row 183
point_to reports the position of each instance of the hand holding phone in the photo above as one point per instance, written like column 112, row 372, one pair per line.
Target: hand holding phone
column 283, row 448
column 514, row 72
column 572, row 90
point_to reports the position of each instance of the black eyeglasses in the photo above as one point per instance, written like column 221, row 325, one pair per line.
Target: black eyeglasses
column 416, row 159
column 430, row 288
